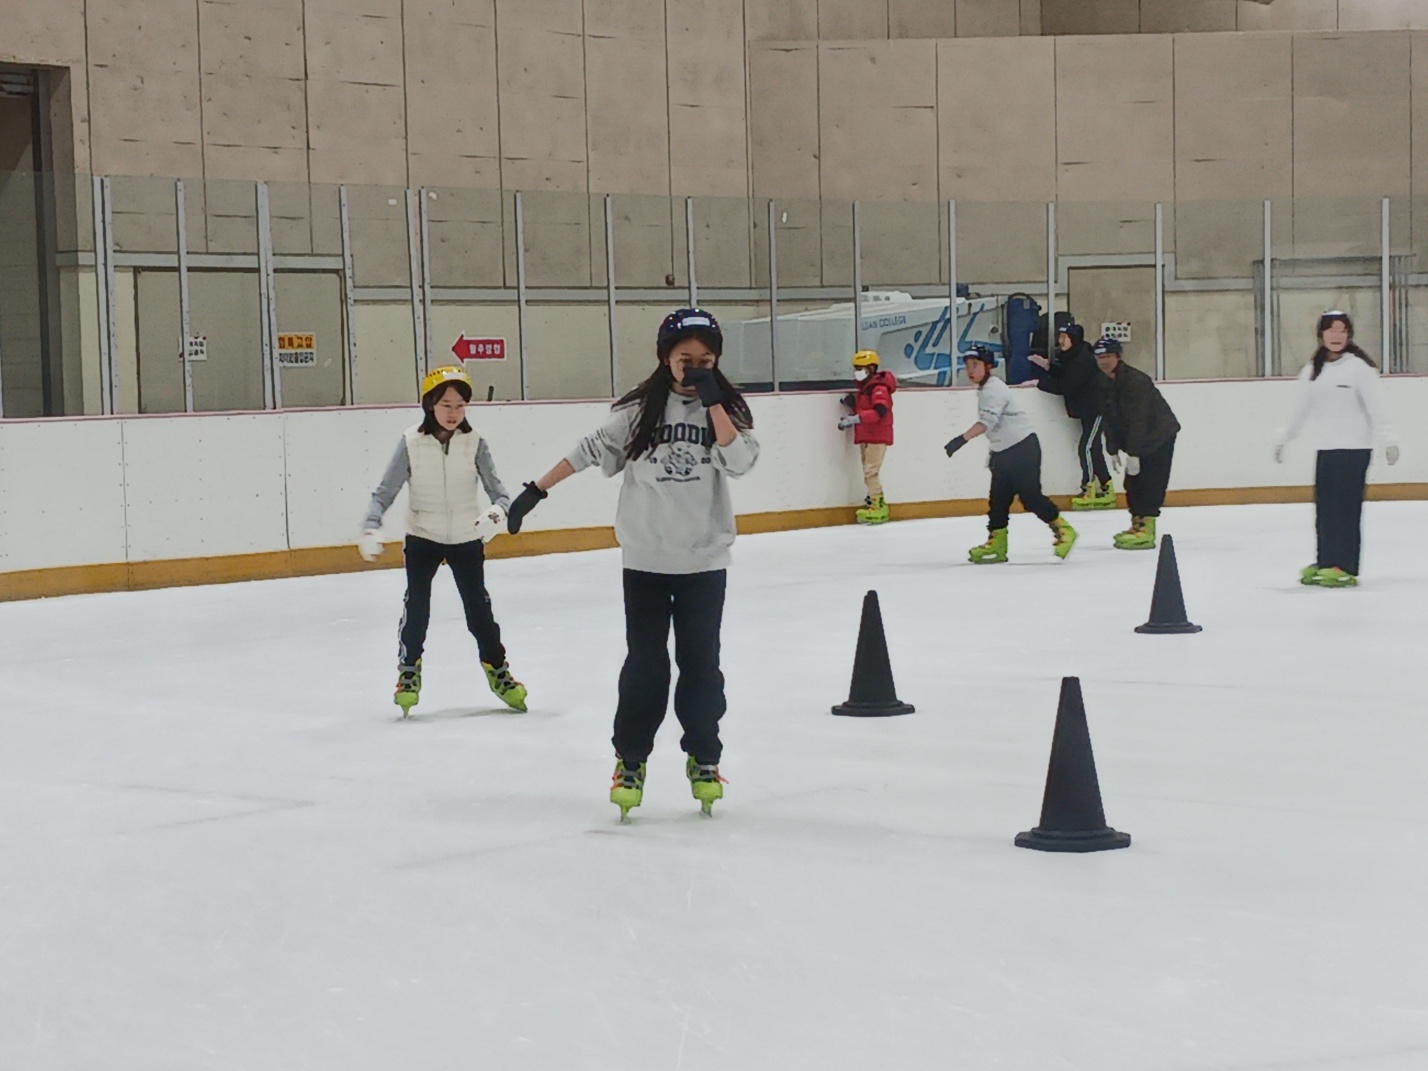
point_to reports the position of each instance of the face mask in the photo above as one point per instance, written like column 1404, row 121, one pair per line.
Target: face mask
column 861, row 374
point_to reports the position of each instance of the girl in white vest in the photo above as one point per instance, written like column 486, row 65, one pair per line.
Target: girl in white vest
column 448, row 467
column 1339, row 400
column 677, row 439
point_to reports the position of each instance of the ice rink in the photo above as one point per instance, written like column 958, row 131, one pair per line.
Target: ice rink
column 220, row 849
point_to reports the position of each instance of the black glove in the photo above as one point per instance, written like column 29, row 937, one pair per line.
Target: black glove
column 849, row 401
column 703, row 381
column 523, row 504
column 955, row 445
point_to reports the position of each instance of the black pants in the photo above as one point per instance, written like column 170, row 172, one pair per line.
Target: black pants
column 695, row 603
column 468, row 567
column 1092, row 452
column 1145, row 491
column 1016, row 473
column 1339, row 477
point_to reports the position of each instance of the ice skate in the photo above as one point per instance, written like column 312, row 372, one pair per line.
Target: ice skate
column 510, row 691
column 1065, row 537
column 704, row 782
column 408, row 687
column 1139, row 536
column 1095, row 496
column 1309, row 575
column 876, row 511
column 1335, row 578
column 627, row 789
column 993, row 550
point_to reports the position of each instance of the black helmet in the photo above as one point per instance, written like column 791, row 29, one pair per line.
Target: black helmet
column 1106, row 345
column 689, row 323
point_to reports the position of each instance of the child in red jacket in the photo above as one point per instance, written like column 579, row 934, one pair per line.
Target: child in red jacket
column 872, row 424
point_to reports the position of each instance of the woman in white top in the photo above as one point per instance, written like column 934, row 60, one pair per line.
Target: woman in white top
column 1339, row 399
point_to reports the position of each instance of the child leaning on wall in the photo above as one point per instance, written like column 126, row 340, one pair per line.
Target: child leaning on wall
column 455, row 503
column 872, row 424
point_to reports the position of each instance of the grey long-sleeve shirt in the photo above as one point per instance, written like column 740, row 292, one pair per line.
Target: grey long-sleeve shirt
column 676, row 514
column 399, row 471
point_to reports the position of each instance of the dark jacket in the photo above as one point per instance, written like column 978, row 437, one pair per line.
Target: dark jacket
column 1138, row 418
column 1073, row 375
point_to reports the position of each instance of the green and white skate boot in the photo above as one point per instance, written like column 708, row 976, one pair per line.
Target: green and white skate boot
column 1095, row 496
column 408, row 687
column 510, row 691
column 992, row 551
column 1065, row 537
column 704, row 782
column 627, row 789
column 1335, row 578
column 1309, row 575
column 1139, row 536
column 876, row 512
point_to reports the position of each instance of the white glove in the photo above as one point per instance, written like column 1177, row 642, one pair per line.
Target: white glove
column 1132, row 465
column 848, row 421
column 1392, row 454
column 1116, row 461
column 491, row 524
column 1279, row 453
column 370, row 545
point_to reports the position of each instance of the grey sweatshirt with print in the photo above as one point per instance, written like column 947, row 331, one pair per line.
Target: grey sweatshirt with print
column 675, row 514
column 399, row 471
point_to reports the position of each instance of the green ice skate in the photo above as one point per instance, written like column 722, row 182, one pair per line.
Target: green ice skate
column 408, row 687
column 704, row 782
column 627, row 789
column 1139, row 536
column 1065, row 537
column 1095, row 496
column 511, row 691
column 1335, row 578
column 993, row 550
column 1309, row 575
column 875, row 512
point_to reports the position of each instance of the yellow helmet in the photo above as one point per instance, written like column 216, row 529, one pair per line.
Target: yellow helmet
column 865, row 358
column 447, row 374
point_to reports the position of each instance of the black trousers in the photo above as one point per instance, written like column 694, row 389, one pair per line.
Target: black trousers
column 695, row 604
column 1145, row 491
column 1016, row 473
column 1339, row 477
column 468, row 567
column 1091, row 451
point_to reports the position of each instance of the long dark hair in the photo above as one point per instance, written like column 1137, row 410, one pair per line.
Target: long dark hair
column 652, row 396
column 429, row 425
column 1322, row 353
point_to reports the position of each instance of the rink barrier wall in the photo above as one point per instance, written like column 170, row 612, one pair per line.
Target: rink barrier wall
column 110, row 504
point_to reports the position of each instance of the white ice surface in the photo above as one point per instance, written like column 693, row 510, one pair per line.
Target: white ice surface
column 219, row 849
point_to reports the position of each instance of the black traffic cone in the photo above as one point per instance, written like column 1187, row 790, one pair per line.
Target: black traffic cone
column 872, row 694
column 1072, row 819
column 1167, row 605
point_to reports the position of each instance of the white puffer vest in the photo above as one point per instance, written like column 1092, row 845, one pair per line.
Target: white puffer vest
column 445, row 499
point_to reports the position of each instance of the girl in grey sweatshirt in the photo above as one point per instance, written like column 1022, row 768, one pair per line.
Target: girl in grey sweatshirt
column 678, row 438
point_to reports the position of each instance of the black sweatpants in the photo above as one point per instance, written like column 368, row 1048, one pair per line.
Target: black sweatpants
column 468, row 567
column 694, row 602
column 1339, row 477
column 1016, row 473
column 1091, row 451
column 1145, row 491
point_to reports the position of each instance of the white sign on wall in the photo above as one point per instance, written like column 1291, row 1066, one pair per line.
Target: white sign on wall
column 1120, row 331
column 197, row 348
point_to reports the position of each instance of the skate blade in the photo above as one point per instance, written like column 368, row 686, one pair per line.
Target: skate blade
column 706, row 808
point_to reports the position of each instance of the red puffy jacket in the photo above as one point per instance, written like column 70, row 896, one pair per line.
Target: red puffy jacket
column 875, row 393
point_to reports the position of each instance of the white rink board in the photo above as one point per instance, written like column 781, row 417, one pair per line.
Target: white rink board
column 61, row 494
column 197, row 486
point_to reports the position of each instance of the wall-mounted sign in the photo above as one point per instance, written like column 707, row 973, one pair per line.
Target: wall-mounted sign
column 1120, row 331
column 479, row 349
column 295, row 350
column 197, row 348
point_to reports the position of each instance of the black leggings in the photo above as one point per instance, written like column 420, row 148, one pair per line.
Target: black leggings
column 468, row 568
column 1016, row 473
column 1091, row 451
column 694, row 602
column 1339, row 477
column 1145, row 492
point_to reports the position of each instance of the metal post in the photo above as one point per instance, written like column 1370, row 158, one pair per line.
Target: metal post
column 1268, row 369
column 185, row 319
column 610, row 295
column 773, row 298
column 1159, row 291
column 521, row 293
column 1050, row 280
column 418, row 299
column 424, row 214
column 104, row 285
column 857, row 281
column 1385, row 335
column 953, row 329
column 349, row 286
column 268, row 298
column 689, row 246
